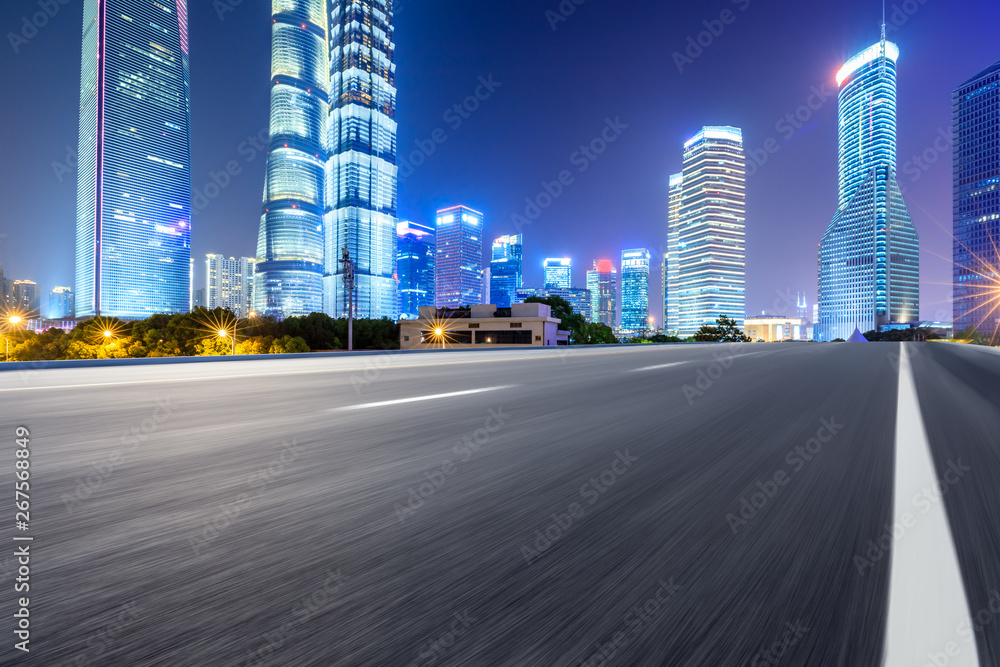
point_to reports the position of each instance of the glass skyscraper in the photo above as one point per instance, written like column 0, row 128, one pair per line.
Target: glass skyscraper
column 869, row 256
column 558, row 273
column 635, row 290
column 506, row 266
column 458, row 272
column 229, row 283
column 976, row 217
column 133, row 218
column 671, row 309
column 361, row 171
column 415, row 268
column 289, row 279
column 710, row 231
column 603, row 287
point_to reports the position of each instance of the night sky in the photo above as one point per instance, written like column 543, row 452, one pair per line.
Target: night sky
column 610, row 59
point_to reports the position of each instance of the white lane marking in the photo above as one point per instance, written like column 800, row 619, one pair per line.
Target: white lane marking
column 416, row 399
column 927, row 607
column 653, row 368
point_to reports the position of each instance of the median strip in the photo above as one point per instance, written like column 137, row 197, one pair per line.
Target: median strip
column 416, row 399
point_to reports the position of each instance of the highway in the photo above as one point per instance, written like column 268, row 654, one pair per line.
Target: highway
column 645, row 505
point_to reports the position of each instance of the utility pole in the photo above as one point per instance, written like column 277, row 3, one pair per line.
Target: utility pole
column 349, row 286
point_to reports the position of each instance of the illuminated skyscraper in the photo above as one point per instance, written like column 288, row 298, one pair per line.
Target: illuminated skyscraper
column 506, row 266
column 671, row 265
column 229, row 283
column 458, row 276
column 415, row 268
column 710, row 230
column 558, row 273
column 869, row 257
column 289, row 278
column 603, row 285
column 976, row 220
column 133, row 215
column 361, row 171
column 61, row 304
column 635, row 290
column 26, row 298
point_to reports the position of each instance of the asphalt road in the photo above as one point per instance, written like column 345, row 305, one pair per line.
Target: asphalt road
column 661, row 505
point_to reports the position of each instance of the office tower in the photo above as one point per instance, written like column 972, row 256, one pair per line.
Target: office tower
column 486, row 285
column 603, row 285
column 578, row 298
column 506, row 275
column 869, row 255
column 711, row 234
column 4, row 291
column 26, row 299
column 635, row 290
column 133, row 216
column 200, row 298
column 671, row 309
column 458, row 276
column 976, row 205
column 415, row 268
column 61, row 305
column 229, row 283
column 558, row 273
column 191, row 284
column 361, row 171
column 289, row 279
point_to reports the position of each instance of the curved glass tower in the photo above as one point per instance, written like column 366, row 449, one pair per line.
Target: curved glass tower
column 361, row 172
column 869, row 257
column 133, row 219
column 289, row 278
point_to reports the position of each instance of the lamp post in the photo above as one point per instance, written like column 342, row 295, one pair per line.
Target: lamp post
column 225, row 334
column 14, row 320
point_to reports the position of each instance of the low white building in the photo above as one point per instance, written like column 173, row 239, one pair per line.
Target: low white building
column 775, row 329
column 521, row 325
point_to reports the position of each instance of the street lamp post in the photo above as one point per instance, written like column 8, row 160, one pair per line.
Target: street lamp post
column 223, row 333
column 14, row 320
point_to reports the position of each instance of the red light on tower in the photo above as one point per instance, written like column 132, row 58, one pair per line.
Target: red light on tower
column 605, row 266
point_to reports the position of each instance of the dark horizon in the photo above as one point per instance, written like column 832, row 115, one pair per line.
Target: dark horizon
column 559, row 83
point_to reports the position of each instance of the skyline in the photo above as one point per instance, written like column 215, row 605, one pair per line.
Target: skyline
column 781, row 251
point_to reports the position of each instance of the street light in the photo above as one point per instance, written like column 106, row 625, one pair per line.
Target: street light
column 13, row 320
column 224, row 334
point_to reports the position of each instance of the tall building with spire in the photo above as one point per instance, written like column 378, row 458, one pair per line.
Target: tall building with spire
column 869, row 256
column 289, row 278
column 361, row 170
column 133, row 207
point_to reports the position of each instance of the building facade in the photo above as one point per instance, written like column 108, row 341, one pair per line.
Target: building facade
column 869, row 260
column 133, row 218
column 711, row 231
column 671, row 265
column 415, row 268
column 289, row 280
column 361, row 171
column 230, row 283
column 578, row 298
column 976, row 204
column 458, row 277
column 506, row 270
column 25, row 298
column 635, row 290
column 558, row 272
column 483, row 325
column 61, row 304
column 776, row 329
column 602, row 281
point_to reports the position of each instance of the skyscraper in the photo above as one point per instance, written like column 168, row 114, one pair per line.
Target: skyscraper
column 415, row 268
column 635, row 290
column 458, row 278
column 710, row 230
column 229, row 283
column 61, row 304
column 976, row 217
column 4, row 292
column 603, row 286
column 290, row 257
column 26, row 298
column 869, row 256
column 133, row 217
column 361, row 171
column 558, row 273
column 671, row 265
column 506, row 275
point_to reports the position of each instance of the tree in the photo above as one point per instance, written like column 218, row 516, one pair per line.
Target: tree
column 289, row 345
column 573, row 322
column 724, row 331
column 598, row 333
